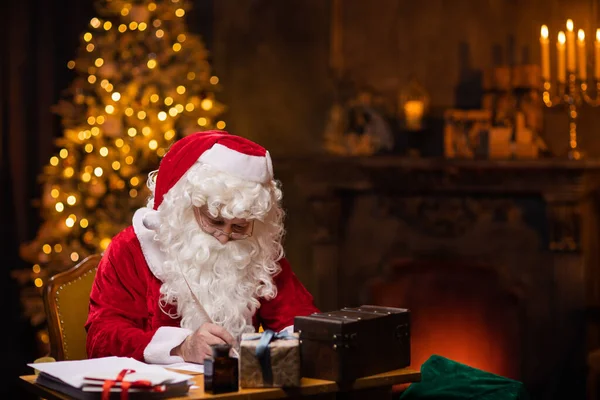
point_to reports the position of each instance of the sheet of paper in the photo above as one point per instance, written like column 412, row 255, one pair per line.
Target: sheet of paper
column 74, row 372
column 187, row 367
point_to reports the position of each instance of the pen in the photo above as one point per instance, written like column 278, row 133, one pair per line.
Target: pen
column 203, row 310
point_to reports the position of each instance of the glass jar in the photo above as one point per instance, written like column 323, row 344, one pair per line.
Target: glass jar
column 221, row 371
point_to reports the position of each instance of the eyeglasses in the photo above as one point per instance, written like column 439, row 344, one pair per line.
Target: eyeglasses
column 212, row 226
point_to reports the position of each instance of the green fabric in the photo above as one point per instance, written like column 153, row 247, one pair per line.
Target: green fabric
column 444, row 379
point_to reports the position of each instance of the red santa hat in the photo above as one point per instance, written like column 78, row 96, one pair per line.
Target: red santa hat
column 232, row 154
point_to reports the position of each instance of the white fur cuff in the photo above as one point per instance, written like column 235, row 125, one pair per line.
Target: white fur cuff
column 164, row 340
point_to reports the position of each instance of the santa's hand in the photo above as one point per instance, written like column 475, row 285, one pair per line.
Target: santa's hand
column 196, row 347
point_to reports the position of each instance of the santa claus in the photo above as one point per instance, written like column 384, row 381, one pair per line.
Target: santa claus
column 202, row 263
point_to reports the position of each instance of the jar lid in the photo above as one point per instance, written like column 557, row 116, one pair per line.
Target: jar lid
column 220, row 350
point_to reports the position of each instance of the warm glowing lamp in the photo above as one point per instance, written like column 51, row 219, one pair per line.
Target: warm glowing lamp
column 413, row 104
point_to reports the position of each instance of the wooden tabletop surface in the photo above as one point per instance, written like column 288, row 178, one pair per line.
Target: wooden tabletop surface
column 309, row 387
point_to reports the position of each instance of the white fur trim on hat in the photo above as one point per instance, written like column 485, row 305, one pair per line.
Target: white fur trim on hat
column 253, row 168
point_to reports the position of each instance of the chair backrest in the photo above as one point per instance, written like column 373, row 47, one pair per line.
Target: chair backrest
column 66, row 300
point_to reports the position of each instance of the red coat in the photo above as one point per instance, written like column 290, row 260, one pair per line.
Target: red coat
column 124, row 312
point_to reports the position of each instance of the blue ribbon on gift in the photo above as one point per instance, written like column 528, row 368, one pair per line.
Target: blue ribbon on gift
column 263, row 353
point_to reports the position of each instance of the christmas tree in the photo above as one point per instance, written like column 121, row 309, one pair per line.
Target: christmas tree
column 142, row 81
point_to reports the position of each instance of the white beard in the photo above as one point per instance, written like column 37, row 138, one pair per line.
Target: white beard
column 226, row 279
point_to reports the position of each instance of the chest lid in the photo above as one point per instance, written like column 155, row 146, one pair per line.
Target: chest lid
column 326, row 326
column 378, row 310
column 345, row 316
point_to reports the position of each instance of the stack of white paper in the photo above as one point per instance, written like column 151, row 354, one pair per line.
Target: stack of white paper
column 89, row 375
column 187, row 367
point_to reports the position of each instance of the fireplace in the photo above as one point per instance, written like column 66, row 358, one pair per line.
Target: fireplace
column 496, row 260
column 461, row 311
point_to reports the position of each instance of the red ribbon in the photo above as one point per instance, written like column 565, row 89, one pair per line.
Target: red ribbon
column 125, row 385
column 110, row 383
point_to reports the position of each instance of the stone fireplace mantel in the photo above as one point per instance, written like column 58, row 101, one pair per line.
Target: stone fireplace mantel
column 534, row 223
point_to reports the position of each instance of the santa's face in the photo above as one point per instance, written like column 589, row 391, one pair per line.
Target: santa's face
column 225, row 275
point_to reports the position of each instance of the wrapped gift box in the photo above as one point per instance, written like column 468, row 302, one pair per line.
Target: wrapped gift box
column 270, row 360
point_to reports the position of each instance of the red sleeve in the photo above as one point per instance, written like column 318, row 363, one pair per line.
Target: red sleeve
column 292, row 300
column 118, row 310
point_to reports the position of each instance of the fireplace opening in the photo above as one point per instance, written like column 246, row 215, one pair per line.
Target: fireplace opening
column 459, row 310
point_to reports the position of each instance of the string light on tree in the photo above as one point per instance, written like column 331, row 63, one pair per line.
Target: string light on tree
column 142, row 80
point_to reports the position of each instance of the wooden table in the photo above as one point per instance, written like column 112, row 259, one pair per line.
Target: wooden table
column 372, row 387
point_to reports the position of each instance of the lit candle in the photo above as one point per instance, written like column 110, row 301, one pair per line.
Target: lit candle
column 597, row 60
column 570, row 47
column 560, row 51
column 581, row 61
column 545, row 46
column 413, row 110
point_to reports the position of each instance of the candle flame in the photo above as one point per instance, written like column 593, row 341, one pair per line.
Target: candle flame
column 581, row 35
column 570, row 25
column 562, row 37
column 598, row 35
column 544, row 32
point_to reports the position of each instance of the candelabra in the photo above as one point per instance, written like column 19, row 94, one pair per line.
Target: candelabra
column 572, row 70
column 571, row 95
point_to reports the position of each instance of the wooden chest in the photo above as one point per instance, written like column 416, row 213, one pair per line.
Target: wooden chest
column 352, row 343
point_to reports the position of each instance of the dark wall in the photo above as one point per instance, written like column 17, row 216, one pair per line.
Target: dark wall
column 273, row 57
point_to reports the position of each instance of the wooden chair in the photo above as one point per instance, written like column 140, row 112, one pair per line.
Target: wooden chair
column 66, row 301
